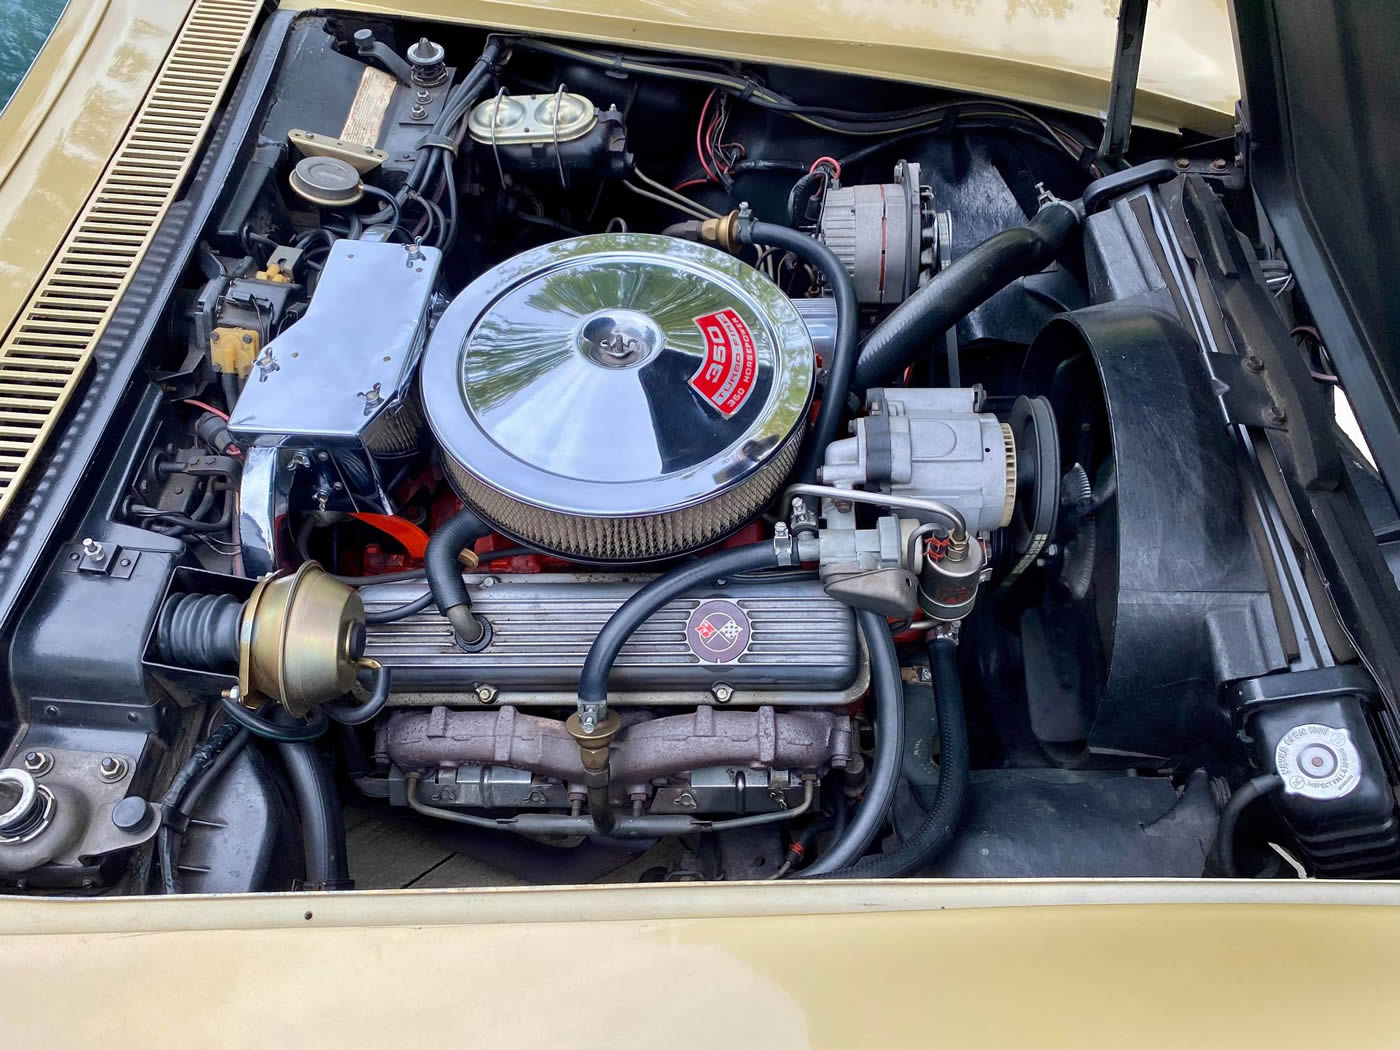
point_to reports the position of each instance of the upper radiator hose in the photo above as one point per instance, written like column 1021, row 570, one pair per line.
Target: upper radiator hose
column 960, row 288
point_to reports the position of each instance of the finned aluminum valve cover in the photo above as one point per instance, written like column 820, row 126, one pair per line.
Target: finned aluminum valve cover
column 619, row 397
column 748, row 643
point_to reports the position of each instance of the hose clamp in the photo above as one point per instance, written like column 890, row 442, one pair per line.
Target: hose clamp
column 745, row 222
column 782, row 544
column 947, row 630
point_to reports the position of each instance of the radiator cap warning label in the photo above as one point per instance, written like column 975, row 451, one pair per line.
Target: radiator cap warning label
column 1317, row 761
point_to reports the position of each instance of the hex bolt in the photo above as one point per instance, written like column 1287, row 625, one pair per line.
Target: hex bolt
column 417, row 112
column 1183, row 163
column 722, row 693
column 423, row 96
column 93, row 550
column 1253, row 363
column 111, row 768
column 37, row 762
column 486, row 694
column 1218, row 164
column 1275, row 415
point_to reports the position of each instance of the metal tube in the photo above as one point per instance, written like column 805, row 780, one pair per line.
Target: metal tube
column 626, row 826
column 951, row 518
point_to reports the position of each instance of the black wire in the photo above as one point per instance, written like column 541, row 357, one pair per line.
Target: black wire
column 417, row 574
column 388, row 198
column 450, row 236
column 184, row 521
column 433, row 213
column 547, row 223
column 841, row 121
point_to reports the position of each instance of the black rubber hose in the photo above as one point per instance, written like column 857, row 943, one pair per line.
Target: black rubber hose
column 276, row 731
column 400, row 612
column 966, row 284
column 631, row 614
column 1222, row 855
column 941, row 822
column 348, row 714
column 871, row 814
column 445, row 574
column 840, row 813
column 843, row 357
column 322, row 821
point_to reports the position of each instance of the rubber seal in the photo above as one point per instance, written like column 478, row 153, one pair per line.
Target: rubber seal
column 487, row 633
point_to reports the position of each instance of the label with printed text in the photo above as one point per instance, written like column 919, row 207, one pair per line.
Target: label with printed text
column 725, row 378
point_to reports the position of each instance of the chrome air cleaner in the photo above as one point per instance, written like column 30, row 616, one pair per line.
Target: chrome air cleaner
column 619, row 397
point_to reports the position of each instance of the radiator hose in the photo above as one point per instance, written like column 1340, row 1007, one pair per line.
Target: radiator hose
column 322, row 819
column 1221, row 859
column 941, row 821
column 960, row 288
column 445, row 576
column 888, row 692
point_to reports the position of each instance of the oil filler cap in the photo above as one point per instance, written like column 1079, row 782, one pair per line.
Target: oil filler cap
column 327, row 181
column 1317, row 761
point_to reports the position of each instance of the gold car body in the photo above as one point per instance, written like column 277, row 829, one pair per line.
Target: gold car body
column 915, row 963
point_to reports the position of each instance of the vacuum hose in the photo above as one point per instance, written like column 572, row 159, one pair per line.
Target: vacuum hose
column 595, row 739
column 631, row 614
column 855, row 838
column 843, row 357
column 943, row 816
column 960, row 288
column 445, row 575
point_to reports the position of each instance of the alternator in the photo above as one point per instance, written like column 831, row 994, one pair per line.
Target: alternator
column 885, row 234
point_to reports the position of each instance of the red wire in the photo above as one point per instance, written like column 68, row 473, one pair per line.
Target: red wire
column 691, row 182
column 700, row 136
column 832, row 161
column 207, row 408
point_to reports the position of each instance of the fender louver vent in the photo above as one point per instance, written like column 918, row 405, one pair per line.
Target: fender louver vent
column 45, row 353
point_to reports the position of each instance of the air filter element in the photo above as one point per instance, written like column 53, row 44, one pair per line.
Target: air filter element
column 620, row 397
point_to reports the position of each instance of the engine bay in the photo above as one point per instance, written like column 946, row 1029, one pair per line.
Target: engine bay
column 635, row 467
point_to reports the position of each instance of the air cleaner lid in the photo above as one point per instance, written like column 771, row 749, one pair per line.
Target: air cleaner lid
column 617, row 374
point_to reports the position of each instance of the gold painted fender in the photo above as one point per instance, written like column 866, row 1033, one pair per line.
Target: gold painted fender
column 1003, row 965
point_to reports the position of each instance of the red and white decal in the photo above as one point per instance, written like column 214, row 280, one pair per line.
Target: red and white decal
column 725, row 378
